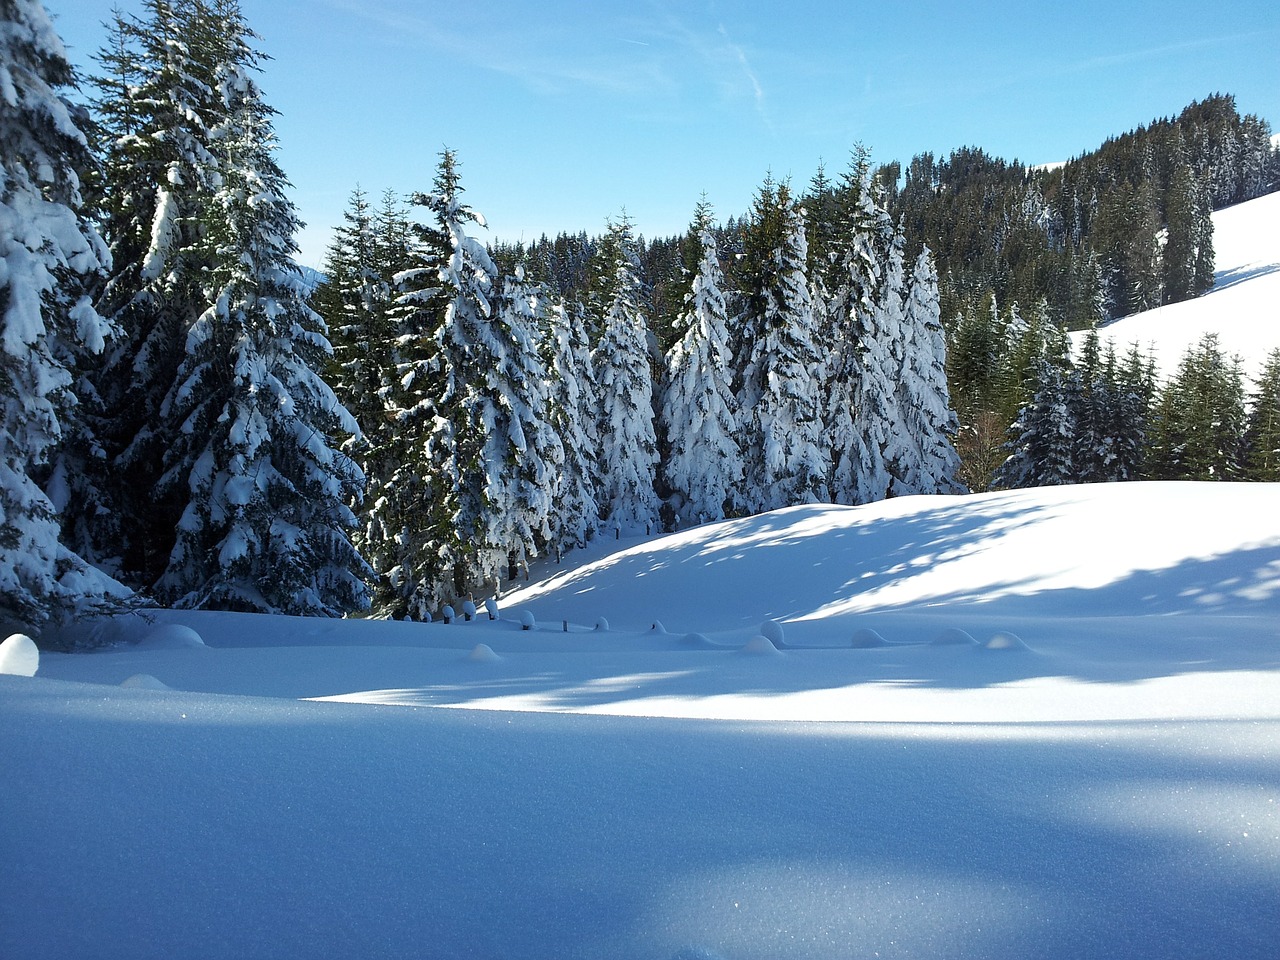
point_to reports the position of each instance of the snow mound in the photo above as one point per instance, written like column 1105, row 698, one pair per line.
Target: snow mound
column 527, row 621
column 761, row 646
column 772, row 629
column 602, row 624
column 1004, row 640
column 695, row 640
column 172, row 636
column 482, row 653
column 865, row 638
column 657, row 627
column 143, row 681
column 19, row 656
column 954, row 637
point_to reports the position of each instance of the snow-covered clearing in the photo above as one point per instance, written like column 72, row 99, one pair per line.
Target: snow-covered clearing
column 1109, row 787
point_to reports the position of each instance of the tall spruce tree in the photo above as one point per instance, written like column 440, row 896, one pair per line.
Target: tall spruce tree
column 267, row 525
column 1262, row 433
column 624, row 378
column 923, row 395
column 50, row 257
column 158, row 104
column 525, row 455
column 785, row 451
column 571, row 411
column 704, row 466
column 857, row 392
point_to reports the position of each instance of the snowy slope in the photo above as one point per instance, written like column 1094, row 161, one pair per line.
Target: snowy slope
column 1243, row 307
column 1111, row 786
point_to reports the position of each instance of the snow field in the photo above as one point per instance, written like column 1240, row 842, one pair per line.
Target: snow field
column 1111, row 789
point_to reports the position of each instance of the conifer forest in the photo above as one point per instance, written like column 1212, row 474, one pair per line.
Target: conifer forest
column 189, row 421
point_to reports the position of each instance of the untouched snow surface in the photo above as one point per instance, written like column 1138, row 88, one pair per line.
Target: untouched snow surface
column 1101, row 780
column 1243, row 307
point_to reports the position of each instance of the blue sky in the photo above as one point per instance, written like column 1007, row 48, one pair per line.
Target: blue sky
column 564, row 114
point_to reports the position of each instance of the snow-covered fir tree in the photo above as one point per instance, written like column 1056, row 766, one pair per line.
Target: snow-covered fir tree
column 857, row 391
column 49, row 257
column 267, row 525
column 699, row 410
column 784, row 450
column 524, row 451
column 158, row 104
column 624, row 378
column 407, row 533
column 892, row 332
column 923, row 398
column 355, row 301
column 571, row 411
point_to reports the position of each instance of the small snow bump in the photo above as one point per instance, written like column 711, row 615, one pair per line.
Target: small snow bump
column 1004, row 640
column 761, row 646
column 865, row 638
column 172, row 636
column 695, row 640
column 527, row 622
column 602, row 624
column 19, row 656
column 772, row 629
column 482, row 653
column 657, row 627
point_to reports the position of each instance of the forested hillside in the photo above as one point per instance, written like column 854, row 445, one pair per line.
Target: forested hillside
column 186, row 414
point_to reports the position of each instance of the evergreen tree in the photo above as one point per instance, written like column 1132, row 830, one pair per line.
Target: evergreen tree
column 571, row 410
column 355, row 301
column 266, row 526
column 407, row 534
column 628, row 444
column 1093, row 454
column 923, row 396
column 49, row 258
column 785, row 452
column 158, row 104
column 1262, row 435
column 1042, row 436
column 467, row 400
column 704, row 467
column 1200, row 418
column 524, row 452
column 856, row 389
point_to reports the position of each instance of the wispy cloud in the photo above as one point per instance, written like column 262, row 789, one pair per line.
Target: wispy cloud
column 740, row 55
column 546, row 57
